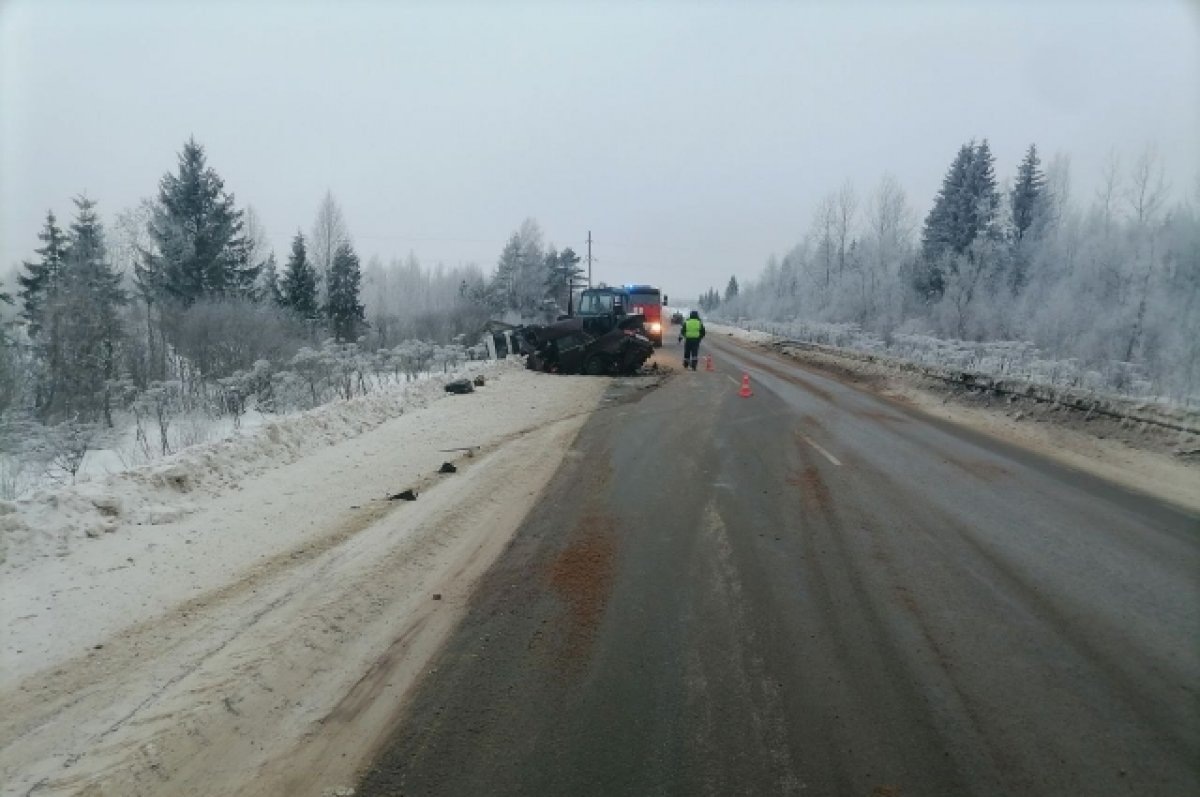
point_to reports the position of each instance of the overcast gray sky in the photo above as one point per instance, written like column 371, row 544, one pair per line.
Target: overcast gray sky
column 693, row 139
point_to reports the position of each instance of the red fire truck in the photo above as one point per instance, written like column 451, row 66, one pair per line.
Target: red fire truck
column 648, row 301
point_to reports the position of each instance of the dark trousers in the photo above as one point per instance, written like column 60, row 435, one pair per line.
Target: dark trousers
column 691, row 352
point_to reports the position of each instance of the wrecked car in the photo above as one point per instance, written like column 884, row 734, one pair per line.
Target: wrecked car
column 593, row 345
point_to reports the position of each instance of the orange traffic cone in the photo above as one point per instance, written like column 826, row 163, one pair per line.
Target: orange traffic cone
column 708, row 366
column 745, row 392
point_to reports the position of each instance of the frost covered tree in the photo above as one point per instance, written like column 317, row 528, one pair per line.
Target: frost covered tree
column 731, row 289
column 343, row 308
column 503, row 292
column 81, row 326
column 298, row 290
column 1108, row 292
column 11, row 381
column 146, row 345
column 519, row 284
column 1146, row 196
column 1028, row 194
column 257, row 254
column 844, row 209
column 1028, row 208
column 267, row 286
column 405, row 299
column 964, row 209
column 41, row 276
column 824, row 236
column 328, row 233
column 563, row 275
column 199, row 250
column 887, row 251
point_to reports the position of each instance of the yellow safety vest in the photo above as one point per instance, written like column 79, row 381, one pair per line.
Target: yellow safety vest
column 691, row 328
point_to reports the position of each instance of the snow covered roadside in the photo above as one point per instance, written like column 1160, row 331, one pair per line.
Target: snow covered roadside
column 52, row 522
column 255, row 637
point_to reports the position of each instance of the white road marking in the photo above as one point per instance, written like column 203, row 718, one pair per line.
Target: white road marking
column 828, row 456
column 731, row 379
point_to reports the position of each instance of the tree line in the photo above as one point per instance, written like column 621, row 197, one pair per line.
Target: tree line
column 184, row 288
column 1111, row 282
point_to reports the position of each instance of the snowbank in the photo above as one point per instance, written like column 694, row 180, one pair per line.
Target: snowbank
column 52, row 521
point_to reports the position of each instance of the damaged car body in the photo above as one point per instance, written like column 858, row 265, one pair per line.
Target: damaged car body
column 597, row 345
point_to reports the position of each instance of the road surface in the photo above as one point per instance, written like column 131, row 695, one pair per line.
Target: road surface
column 814, row 591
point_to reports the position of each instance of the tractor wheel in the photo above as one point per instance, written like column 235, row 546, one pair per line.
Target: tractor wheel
column 596, row 365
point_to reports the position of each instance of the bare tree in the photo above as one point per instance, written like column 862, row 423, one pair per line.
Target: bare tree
column 825, row 232
column 890, row 225
column 258, row 251
column 845, row 207
column 328, row 233
column 1058, row 188
column 1109, row 192
column 1147, row 190
column 1146, row 195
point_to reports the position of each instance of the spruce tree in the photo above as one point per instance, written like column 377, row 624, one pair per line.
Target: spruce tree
column 199, row 250
column 345, row 312
column 267, row 287
column 964, row 209
column 102, row 296
column 41, row 277
column 731, row 290
column 299, row 289
column 939, row 238
column 1027, row 193
column 82, row 325
column 983, row 198
column 508, row 268
column 563, row 275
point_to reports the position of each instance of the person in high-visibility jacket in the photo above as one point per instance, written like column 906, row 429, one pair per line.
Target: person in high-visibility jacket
column 691, row 333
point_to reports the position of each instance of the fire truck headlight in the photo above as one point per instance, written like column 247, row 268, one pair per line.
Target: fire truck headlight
column 655, row 326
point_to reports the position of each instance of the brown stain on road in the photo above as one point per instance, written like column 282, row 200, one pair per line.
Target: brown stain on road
column 813, row 488
column 582, row 577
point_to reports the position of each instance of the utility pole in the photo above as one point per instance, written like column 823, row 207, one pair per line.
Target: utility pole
column 589, row 242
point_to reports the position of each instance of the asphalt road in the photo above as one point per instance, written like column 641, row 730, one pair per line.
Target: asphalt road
column 813, row 591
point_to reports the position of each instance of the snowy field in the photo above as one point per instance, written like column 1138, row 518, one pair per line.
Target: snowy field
column 152, row 618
